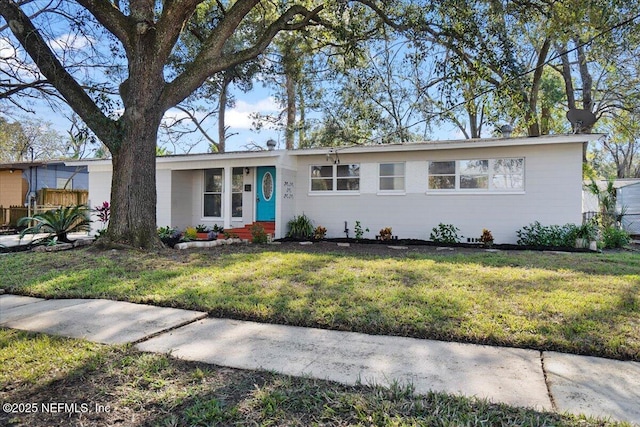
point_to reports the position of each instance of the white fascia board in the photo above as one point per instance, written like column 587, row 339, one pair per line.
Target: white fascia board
column 183, row 161
column 452, row 144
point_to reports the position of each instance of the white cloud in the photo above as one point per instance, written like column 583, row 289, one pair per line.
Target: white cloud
column 70, row 41
column 239, row 117
column 7, row 50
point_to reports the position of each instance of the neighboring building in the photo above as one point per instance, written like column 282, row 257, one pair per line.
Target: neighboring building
column 21, row 182
column 501, row 184
column 627, row 202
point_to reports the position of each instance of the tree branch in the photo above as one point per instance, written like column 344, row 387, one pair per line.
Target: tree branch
column 111, row 18
column 31, row 40
column 211, row 60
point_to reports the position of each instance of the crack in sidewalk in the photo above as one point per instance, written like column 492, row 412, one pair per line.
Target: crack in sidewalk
column 546, row 383
column 169, row 329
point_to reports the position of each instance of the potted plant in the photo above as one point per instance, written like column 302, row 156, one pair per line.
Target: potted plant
column 586, row 235
column 202, row 232
column 218, row 230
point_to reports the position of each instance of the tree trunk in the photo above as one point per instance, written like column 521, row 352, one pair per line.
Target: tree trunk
column 222, row 111
column 133, row 185
column 290, row 85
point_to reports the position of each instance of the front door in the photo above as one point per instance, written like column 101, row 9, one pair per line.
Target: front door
column 266, row 193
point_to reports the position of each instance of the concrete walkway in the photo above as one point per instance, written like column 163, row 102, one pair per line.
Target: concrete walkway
column 545, row 381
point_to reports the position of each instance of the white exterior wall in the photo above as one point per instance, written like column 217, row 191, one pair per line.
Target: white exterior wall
column 163, row 191
column 182, row 201
column 552, row 194
column 287, row 199
column 99, row 191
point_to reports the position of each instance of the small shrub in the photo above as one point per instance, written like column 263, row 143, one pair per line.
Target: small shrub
column 58, row 223
column 359, row 231
column 190, row 233
column 386, row 233
column 230, row 235
column 486, row 238
column 614, row 237
column 104, row 214
column 319, row 233
column 300, row 227
column 445, row 233
column 258, row 235
column 201, row 228
column 169, row 236
column 536, row 234
column 588, row 231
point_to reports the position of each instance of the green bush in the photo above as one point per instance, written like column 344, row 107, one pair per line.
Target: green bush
column 58, row 223
column 300, row 227
column 614, row 237
column 169, row 235
column 536, row 234
column 444, row 233
column 258, row 235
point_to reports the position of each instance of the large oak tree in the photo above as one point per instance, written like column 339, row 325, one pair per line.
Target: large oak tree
column 147, row 33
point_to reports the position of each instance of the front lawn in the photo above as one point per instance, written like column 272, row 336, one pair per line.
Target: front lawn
column 577, row 303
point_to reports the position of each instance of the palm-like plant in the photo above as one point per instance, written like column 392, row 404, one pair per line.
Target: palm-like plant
column 58, row 222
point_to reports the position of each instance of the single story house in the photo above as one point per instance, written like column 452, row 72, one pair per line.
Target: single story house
column 500, row 184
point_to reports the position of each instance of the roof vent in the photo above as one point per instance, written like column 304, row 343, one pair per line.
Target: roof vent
column 271, row 144
column 506, row 130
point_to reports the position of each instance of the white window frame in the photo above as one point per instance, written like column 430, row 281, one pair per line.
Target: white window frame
column 236, row 191
column 334, row 179
column 490, row 178
column 205, row 193
column 393, row 178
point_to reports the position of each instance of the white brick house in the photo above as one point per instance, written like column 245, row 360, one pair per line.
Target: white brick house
column 501, row 184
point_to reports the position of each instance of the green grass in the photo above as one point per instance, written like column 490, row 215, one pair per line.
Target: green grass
column 140, row 389
column 578, row 303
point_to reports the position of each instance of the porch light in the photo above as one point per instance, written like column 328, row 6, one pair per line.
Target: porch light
column 246, row 171
column 11, row 170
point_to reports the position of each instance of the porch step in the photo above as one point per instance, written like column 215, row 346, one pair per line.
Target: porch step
column 245, row 232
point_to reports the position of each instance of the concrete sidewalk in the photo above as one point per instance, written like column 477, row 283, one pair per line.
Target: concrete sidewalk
column 545, row 381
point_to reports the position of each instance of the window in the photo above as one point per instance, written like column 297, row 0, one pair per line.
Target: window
column 213, row 184
column 64, row 183
column 335, row 178
column 508, row 174
column 477, row 175
column 442, row 175
column 474, row 174
column 391, row 177
column 321, row 178
column 237, row 184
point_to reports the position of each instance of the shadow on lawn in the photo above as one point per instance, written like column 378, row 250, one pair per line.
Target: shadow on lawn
column 120, row 386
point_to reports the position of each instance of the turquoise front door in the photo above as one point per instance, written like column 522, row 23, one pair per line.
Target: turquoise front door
column 266, row 193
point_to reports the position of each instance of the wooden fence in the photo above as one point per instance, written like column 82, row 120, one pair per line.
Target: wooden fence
column 9, row 216
column 48, row 199
column 58, row 197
